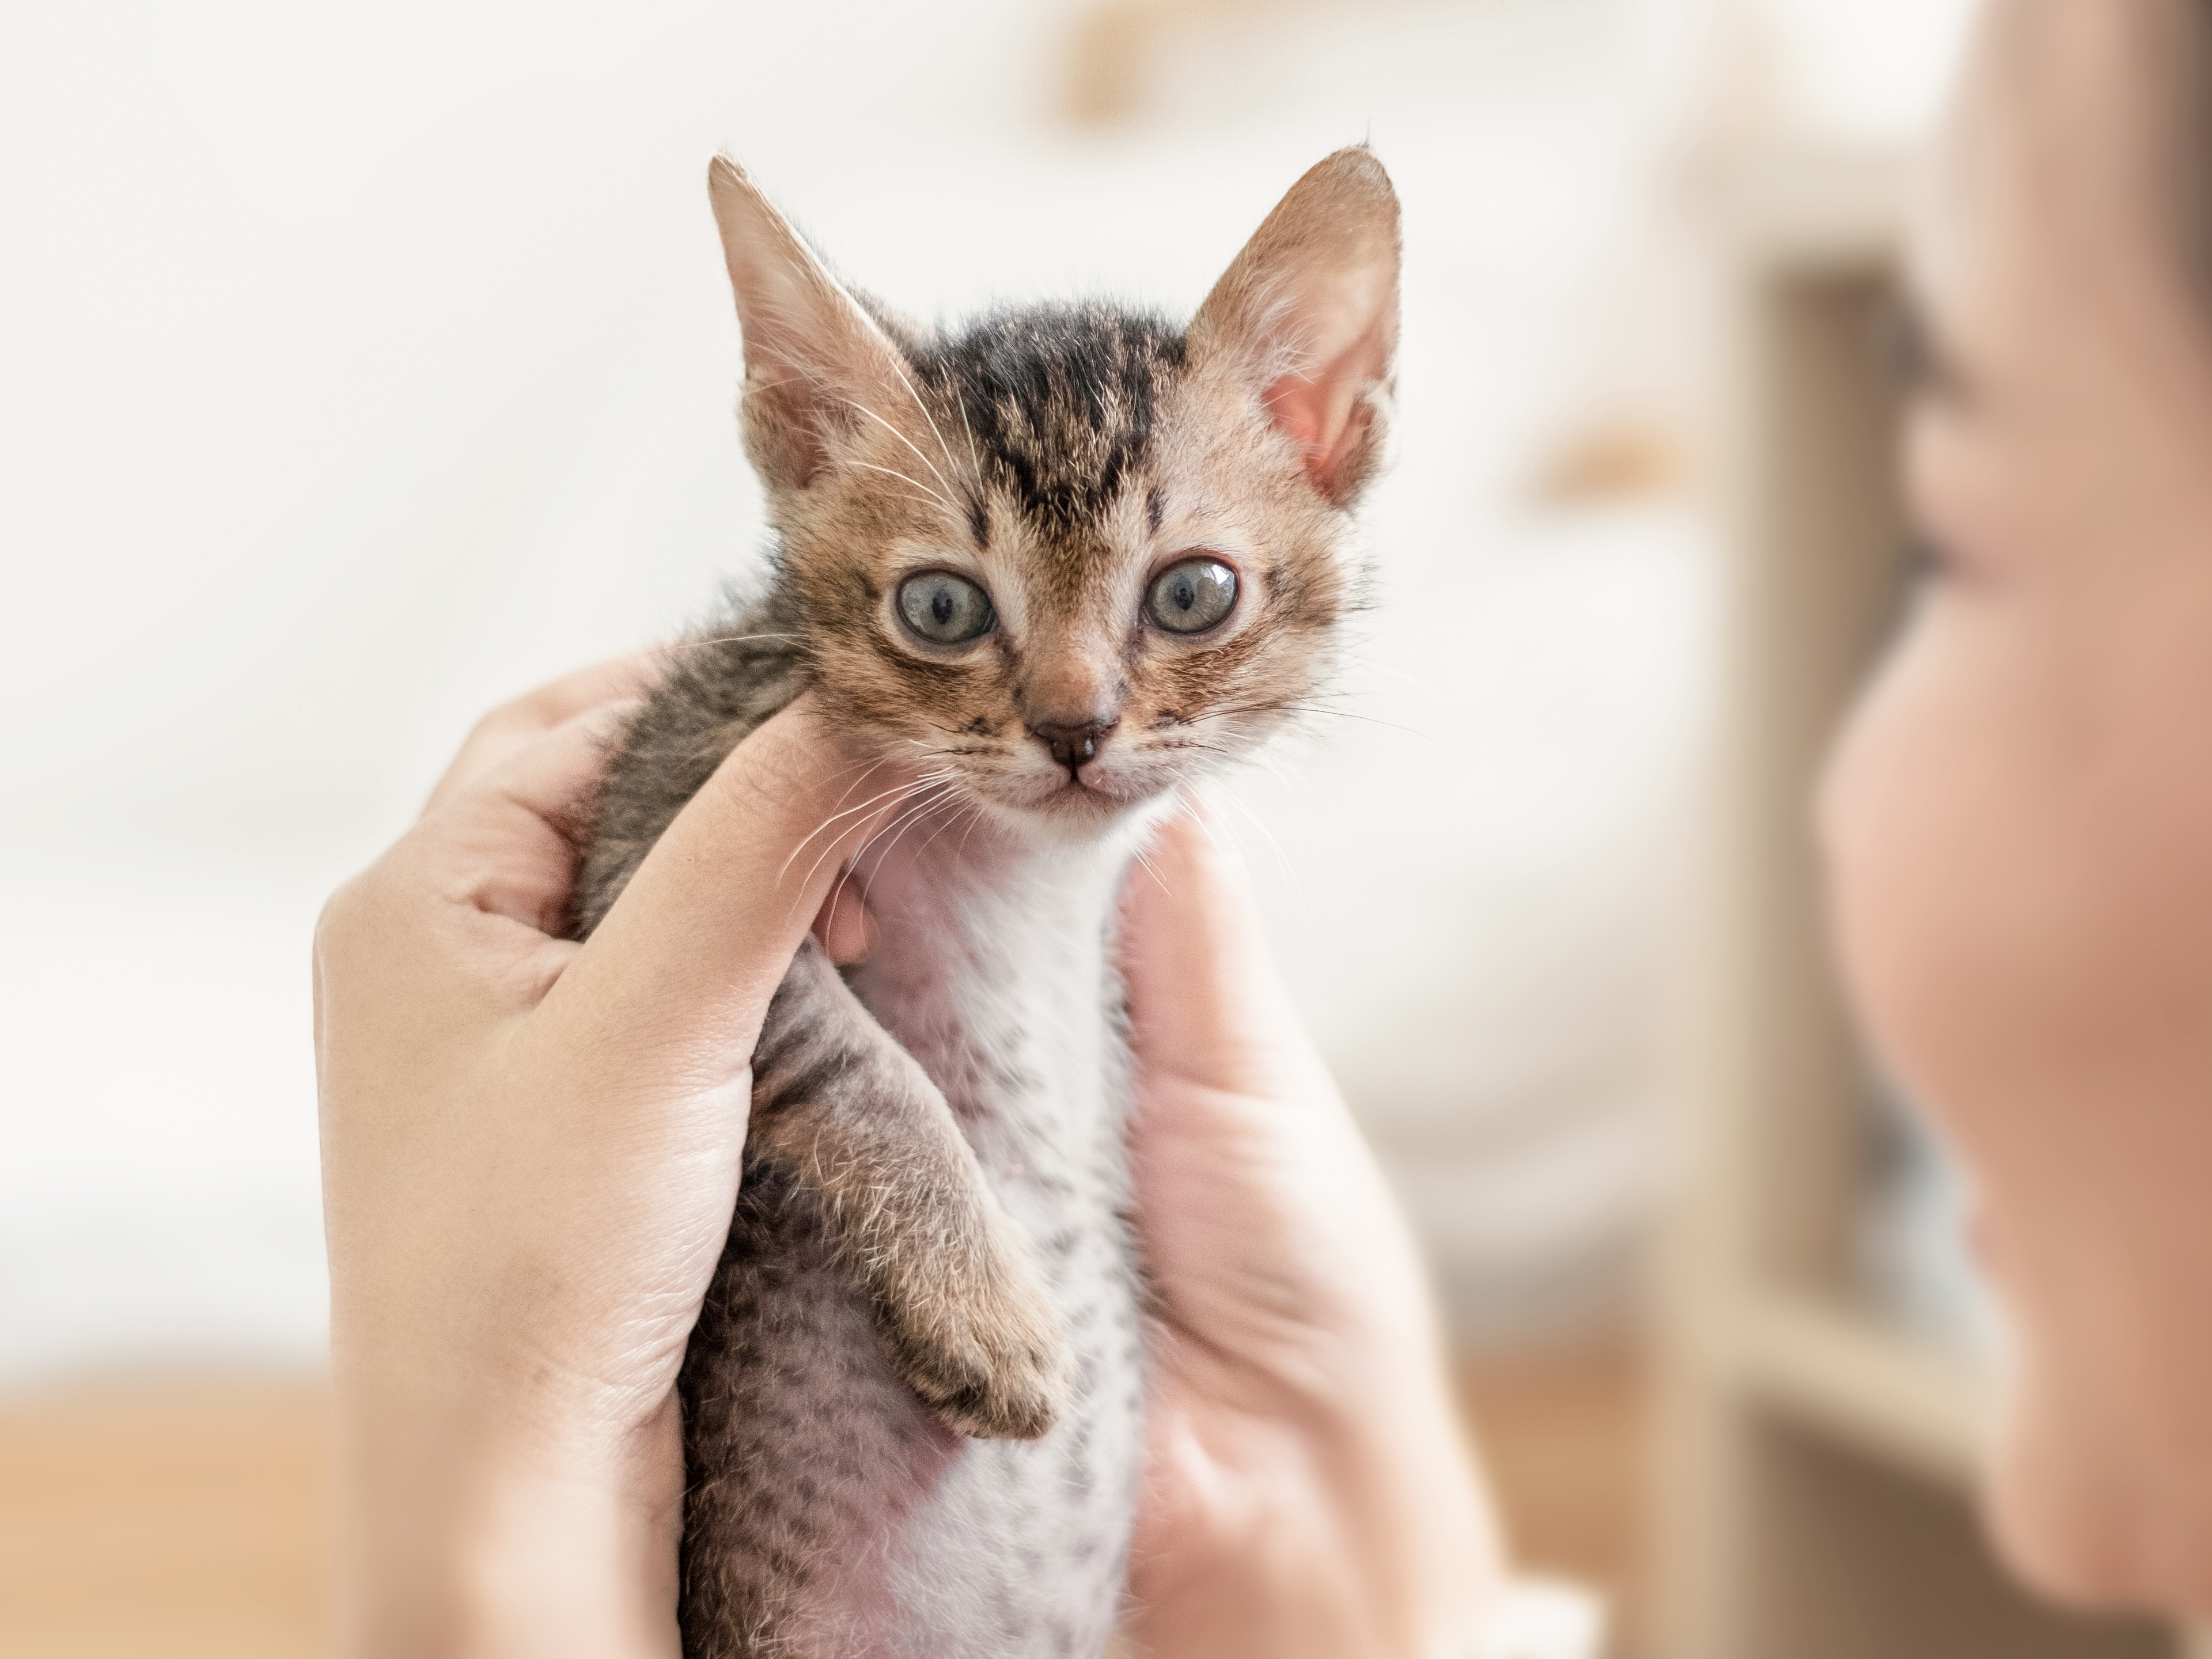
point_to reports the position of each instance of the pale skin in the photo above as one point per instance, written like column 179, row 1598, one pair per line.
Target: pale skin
column 531, row 1156
column 2019, row 820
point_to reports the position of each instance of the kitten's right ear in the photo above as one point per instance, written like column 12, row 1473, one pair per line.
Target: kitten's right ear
column 814, row 359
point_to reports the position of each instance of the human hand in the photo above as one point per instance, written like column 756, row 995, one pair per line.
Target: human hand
column 1309, row 1491
column 531, row 1153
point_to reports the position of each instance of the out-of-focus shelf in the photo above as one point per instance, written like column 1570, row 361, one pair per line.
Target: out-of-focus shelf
column 1805, row 204
column 1846, row 1371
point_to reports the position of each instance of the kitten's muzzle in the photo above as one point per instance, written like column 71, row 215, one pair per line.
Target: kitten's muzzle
column 1072, row 746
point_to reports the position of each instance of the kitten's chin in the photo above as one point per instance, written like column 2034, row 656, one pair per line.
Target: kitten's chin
column 1071, row 813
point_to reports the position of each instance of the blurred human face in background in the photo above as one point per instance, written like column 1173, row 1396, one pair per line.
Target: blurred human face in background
column 2019, row 819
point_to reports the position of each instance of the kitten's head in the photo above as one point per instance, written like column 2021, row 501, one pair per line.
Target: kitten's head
column 1073, row 556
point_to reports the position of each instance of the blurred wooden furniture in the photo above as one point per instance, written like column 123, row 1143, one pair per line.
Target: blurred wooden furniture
column 183, row 1519
column 1564, row 1438
column 1813, row 1496
column 1112, row 45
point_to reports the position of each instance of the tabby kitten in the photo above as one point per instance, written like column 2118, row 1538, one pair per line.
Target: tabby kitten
column 1061, row 561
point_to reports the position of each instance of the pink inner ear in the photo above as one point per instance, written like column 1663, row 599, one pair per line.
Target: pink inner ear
column 1340, row 314
column 1316, row 414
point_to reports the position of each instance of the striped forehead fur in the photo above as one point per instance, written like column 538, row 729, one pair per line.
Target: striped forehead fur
column 1058, row 400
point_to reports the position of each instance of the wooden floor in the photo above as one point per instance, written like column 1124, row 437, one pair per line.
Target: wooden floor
column 179, row 1520
column 1564, row 1438
column 186, row 1520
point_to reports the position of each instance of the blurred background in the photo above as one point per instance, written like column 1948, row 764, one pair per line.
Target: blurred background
column 361, row 368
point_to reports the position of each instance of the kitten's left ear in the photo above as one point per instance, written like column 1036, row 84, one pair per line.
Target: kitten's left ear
column 1309, row 311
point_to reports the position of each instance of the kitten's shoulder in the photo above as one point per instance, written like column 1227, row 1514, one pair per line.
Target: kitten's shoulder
column 720, row 685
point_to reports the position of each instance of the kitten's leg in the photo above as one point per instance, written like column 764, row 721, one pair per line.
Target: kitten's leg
column 847, row 1112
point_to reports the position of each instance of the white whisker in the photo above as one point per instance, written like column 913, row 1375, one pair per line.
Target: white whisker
column 898, row 827
column 926, row 415
column 969, row 810
column 961, row 851
column 925, row 490
column 1206, row 827
column 831, row 819
column 909, row 442
column 1384, row 668
column 918, row 787
column 733, row 639
column 973, row 456
column 1282, row 858
column 1153, row 872
column 857, row 855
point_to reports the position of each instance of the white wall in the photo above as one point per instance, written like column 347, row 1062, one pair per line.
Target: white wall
column 361, row 367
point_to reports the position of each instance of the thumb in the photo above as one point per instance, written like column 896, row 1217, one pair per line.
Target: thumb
column 683, row 965
column 1206, row 1002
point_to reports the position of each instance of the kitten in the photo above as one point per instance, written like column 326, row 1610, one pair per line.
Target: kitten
column 1064, row 561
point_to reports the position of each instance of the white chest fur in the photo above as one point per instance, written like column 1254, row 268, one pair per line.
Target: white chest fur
column 993, row 968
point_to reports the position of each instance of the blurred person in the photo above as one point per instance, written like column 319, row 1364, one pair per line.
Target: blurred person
column 2018, row 817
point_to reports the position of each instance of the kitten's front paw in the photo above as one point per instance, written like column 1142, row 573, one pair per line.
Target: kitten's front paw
column 972, row 1333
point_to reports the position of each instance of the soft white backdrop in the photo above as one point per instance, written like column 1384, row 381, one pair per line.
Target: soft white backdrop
column 361, row 366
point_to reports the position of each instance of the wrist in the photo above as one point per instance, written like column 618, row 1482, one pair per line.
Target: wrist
column 473, row 1529
column 1327, row 1541
column 536, row 1570
column 1419, row 1523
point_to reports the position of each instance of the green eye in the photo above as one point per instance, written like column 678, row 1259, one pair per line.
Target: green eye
column 945, row 609
column 1194, row 596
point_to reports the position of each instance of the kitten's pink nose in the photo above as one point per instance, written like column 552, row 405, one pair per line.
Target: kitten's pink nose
column 1072, row 746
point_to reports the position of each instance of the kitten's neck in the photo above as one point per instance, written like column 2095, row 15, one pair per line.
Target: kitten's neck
column 948, row 861
column 990, row 966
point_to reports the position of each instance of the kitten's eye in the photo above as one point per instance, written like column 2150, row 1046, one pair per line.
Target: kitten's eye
column 1194, row 596
column 945, row 609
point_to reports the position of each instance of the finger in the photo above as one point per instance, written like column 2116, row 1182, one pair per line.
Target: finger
column 843, row 925
column 1188, row 921
column 507, row 845
column 512, row 726
column 1205, row 1001
column 551, row 777
column 682, row 967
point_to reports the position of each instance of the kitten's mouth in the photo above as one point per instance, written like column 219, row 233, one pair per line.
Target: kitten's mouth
column 1083, row 798
column 1085, row 793
column 1074, row 795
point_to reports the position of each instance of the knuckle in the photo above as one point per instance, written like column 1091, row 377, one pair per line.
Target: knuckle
column 508, row 720
column 336, row 919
